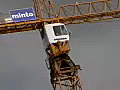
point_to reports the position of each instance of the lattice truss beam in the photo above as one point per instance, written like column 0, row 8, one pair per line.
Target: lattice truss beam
column 90, row 11
column 44, row 9
column 79, row 12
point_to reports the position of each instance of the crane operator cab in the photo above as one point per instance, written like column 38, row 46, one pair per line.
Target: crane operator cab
column 55, row 39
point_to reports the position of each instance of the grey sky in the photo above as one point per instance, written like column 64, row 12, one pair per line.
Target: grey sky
column 7, row 5
column 96, row 47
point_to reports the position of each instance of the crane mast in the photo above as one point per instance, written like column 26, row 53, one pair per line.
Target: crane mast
column 63, row 71
column 44, row 9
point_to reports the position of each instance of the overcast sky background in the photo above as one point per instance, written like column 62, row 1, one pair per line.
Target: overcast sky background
column 96, row 47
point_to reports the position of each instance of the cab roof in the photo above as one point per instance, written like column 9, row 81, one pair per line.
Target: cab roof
column 54, row 24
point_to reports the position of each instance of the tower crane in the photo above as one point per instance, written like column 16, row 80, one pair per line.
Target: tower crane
column 51, row 23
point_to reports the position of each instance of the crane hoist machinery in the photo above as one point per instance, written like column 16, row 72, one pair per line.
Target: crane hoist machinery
column 51, row 23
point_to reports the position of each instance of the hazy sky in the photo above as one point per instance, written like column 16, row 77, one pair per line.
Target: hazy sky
column 96, row 47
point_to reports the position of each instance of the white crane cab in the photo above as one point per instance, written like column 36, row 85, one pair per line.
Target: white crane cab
column 55, row 38
column 56, row 32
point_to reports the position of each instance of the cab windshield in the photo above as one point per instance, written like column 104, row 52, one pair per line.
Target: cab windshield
column 60, row 30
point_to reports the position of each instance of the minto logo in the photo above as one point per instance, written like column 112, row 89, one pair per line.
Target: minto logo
column 26, row 14
column 22, row 15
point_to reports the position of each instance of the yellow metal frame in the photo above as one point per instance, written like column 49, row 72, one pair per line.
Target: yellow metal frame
column 96, row 11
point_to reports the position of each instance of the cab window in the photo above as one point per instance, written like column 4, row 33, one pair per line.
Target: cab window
column 60, row 30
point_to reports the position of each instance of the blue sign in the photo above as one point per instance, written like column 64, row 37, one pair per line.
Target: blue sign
column 22, row 15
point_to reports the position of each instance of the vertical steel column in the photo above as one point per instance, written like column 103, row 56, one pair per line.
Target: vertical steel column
column 44, row 9
column 105, row 6
column 38, row 8
column 90, row 8
column 118, row 5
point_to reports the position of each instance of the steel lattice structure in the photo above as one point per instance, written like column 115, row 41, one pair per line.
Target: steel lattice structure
column 65, row 78
column 69, row 14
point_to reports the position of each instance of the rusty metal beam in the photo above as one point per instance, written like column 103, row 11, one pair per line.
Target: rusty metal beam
column 68, row 14
column 67, row 20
